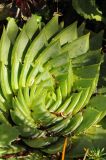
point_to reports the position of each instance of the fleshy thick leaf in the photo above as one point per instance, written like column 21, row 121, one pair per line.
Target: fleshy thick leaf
column 7, row 135
column 12, row 30
column 99, row 103
column 90, row 117
column 77, row 47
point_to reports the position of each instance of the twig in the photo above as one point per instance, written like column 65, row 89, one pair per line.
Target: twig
column 86, row 153
column 64, row 149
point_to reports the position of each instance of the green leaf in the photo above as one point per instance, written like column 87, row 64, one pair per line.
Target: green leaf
column 75, row 99
column 91, row 57
column 54, row 148
column 40, row 41
column 21, row 45
column 96, row 41
column 99, row 102
column 81, row 29
column 88, row 9
column 52, row 27
column 82, row 72
column 50, row 52
column 77, row 47
column 75, row 122
column 90, row 117
column 4, row 47
column 7, row 135
column 82, row 100
column 11, row 149
column 3, row 119
column 5, row 82
column 67, row 34
column 40, row 142
column 32, row 25
column 95, row 139
column 12, row 30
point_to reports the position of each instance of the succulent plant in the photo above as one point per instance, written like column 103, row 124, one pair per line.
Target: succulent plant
column 47, row 77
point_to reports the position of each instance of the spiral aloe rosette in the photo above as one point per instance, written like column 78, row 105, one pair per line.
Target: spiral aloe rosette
column 47, row 77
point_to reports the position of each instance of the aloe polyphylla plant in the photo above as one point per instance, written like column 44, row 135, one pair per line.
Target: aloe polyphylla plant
column 47, row 77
